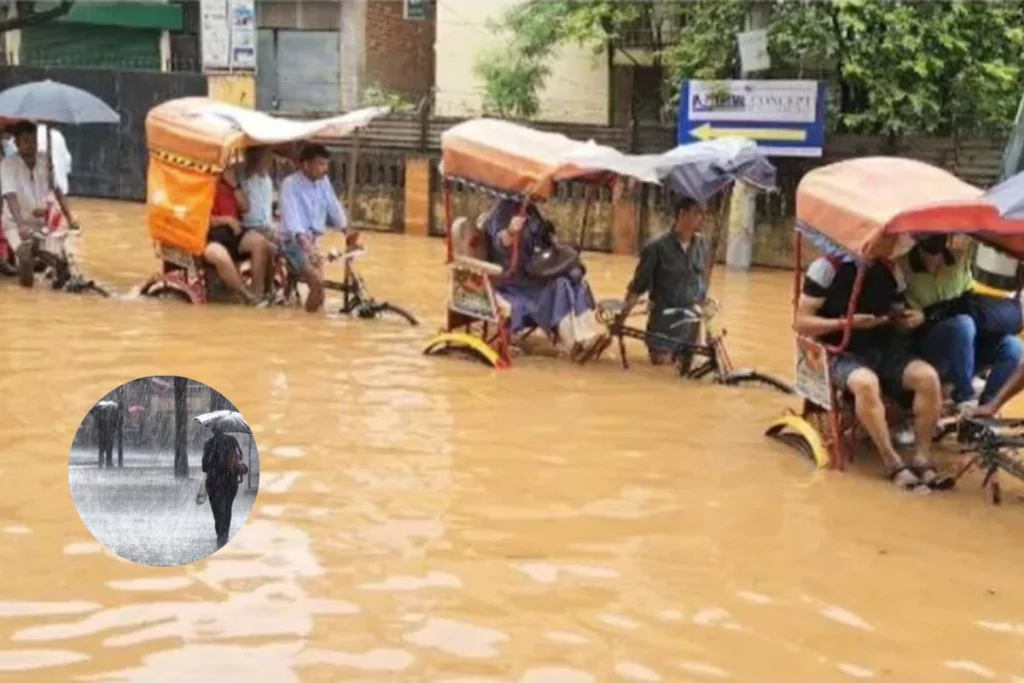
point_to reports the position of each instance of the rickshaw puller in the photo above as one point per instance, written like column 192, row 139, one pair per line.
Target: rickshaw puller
column 27, row 192
column 672, row 268
column 876, row 359
column 308, row 207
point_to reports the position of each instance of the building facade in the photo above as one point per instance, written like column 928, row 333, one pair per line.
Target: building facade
column 323, row 55
column 133, row 35
column 577, row 90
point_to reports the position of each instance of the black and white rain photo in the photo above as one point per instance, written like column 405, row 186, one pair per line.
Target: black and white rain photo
column 164, row 471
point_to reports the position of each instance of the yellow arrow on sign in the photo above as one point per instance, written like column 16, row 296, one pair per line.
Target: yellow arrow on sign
column 707, row 132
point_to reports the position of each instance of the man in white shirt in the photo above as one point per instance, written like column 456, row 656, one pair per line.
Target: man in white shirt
column 27, row 192
column 61, row 156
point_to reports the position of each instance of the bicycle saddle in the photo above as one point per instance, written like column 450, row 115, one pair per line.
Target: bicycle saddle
column 612, row 305
column 692, row 312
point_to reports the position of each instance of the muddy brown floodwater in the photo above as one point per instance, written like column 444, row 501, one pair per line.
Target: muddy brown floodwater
column 430, row 520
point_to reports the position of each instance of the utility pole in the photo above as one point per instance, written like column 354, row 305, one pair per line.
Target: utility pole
column 739, row 251
column 180, row 427
column 122, row 410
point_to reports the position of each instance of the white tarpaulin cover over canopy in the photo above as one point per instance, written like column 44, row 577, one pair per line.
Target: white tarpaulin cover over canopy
column 208, row 131
column 519, row 160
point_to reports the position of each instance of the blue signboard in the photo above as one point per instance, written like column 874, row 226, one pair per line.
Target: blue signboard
column 784, row 118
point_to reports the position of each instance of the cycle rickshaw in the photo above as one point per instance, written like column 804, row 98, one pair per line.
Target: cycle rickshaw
column 866, row 209
column 505, row 161
column 510, row 161
column 191, row 141
column 51, row 257
column 703, row 172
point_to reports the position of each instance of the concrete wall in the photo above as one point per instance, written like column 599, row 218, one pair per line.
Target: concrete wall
column 239, row 90
column 304, row 61
column 577, row 90
column 399, row 53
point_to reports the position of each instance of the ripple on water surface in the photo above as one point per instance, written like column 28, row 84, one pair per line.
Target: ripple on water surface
column 429, row 520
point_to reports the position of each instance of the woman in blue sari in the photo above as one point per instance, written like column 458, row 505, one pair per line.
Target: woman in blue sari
column 562, row 306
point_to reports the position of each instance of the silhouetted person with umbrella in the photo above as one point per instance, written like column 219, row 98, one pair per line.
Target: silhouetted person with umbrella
column 107, row 414
column 222, row 463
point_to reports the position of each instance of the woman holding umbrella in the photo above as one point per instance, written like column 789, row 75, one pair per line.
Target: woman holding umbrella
column 224, row 467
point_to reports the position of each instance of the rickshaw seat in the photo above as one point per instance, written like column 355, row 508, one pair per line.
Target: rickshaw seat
column 469, row 250
column 469, row 247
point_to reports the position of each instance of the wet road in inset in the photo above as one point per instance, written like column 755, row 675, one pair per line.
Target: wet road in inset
column 430, row 520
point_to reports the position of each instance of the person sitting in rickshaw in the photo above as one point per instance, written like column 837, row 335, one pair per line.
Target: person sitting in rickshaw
column 876, row 359
column 940, row 287
column 258, row 188
column 672, row 269
column 28, row 197
column 553, row 295
column 228, row 242
column 1010, row 389
column 308, row 207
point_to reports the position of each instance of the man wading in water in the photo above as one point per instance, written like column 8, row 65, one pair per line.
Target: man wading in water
column 672, row 269
column 222, row 463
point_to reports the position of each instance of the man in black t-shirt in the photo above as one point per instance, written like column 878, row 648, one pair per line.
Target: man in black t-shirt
column 876, row 359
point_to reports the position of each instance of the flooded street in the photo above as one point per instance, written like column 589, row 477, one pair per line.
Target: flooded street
column 425, row 520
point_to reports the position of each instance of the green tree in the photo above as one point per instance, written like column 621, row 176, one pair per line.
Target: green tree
column 893, row 67
column 943, row 67
column 532, row 32
column 376, row 96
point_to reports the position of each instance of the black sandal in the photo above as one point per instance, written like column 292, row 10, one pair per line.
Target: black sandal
column 915, row 487
column 935, row 482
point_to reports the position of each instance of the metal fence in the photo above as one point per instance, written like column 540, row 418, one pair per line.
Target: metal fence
column 110, row 161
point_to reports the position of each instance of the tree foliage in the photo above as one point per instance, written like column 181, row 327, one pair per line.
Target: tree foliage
column 27, row 15
column 514, row 73
column 944, row 67
column 376, row 96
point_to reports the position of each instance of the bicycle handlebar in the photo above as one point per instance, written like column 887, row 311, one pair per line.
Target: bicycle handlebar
column 348, row 255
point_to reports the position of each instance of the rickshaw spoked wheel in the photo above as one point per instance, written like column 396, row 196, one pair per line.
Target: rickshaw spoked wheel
column 163, row 292
column 801, row 435
column 464, row 345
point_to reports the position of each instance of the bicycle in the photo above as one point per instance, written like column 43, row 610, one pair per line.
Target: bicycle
column 710, row 355
column 356, row 299
column 62, row 273
column 995, row 450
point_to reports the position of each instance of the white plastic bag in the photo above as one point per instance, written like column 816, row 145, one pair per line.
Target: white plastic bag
column 201, row 494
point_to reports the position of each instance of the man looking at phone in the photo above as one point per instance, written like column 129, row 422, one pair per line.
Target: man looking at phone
column 876, row 358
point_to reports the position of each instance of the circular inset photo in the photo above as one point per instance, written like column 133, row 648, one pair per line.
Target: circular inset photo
column 164, row 471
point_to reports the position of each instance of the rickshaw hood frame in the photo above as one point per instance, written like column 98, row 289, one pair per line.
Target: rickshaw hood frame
column 868, row 207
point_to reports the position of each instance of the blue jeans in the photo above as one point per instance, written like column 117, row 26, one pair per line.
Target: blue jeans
column 956, row 350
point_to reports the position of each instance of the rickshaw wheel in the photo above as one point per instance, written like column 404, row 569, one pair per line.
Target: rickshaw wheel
column 800, row 435
column 466, row 345
column 755, row 378
column 165, row 293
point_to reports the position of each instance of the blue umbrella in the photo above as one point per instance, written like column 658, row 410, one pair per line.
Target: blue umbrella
column 703, row 170
column 1008, row 197
column 52, row 102
column 700, row 170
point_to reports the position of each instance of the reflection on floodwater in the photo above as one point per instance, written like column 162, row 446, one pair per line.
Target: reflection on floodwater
column 428, row 520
